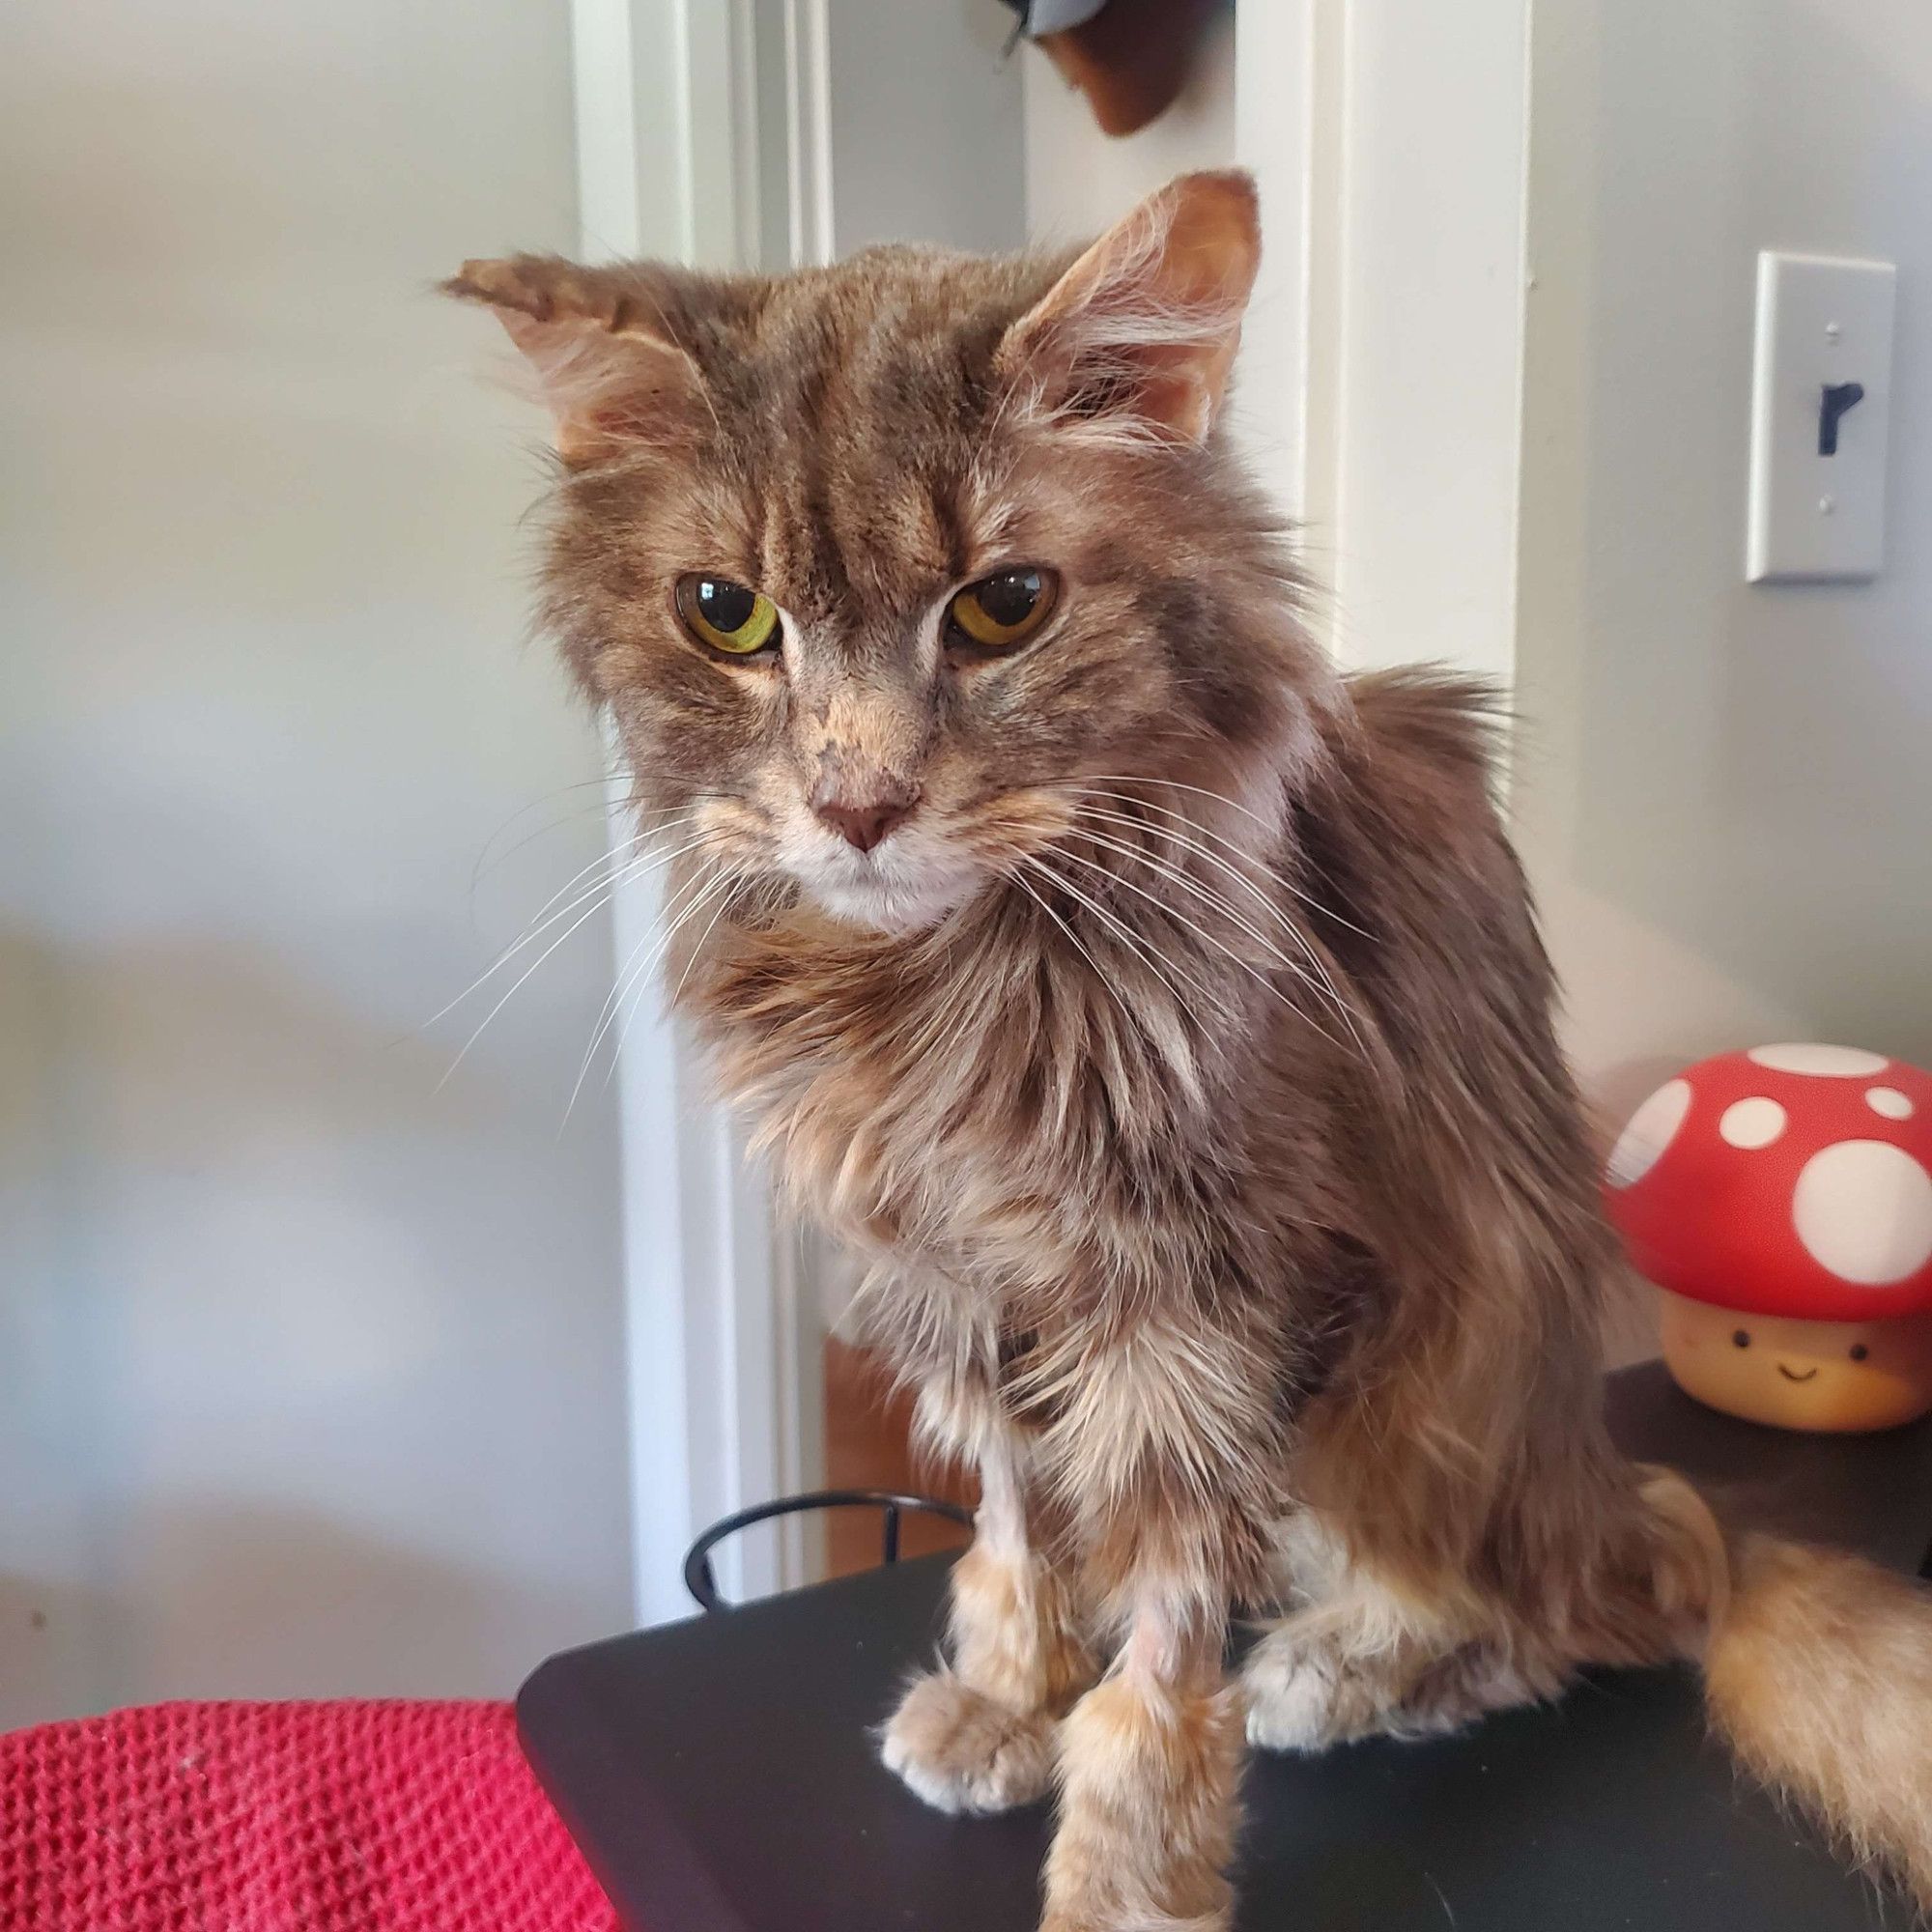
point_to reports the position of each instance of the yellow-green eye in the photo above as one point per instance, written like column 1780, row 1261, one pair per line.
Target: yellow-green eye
column 725, row 615
column 1003, row 609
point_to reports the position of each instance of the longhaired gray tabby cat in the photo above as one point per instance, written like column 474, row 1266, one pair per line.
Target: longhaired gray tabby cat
column 1165, row 1014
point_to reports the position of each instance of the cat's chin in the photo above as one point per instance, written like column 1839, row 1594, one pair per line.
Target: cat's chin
column 890, row 906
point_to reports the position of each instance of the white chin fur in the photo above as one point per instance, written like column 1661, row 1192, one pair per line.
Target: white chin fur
column 886, row 908
column 886, row 892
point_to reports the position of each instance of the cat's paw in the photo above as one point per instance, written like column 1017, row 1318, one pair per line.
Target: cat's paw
column 1290, row 1695
column 960, row 1751
column 1304, row 1695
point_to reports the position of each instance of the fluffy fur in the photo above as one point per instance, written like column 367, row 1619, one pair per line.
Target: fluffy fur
column 1183, row 1059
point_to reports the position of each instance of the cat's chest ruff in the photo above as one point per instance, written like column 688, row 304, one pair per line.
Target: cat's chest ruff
column 975, row 1118
column 952, row 1163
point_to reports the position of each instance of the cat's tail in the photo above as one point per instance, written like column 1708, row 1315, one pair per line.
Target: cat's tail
column 1818, row 1672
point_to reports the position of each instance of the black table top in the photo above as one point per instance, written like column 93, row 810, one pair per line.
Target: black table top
column 720, row 1776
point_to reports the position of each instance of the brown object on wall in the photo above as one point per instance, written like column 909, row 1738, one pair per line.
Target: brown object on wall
column 1132, row 58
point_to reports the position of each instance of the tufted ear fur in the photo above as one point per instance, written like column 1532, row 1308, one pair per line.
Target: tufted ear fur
column 609, row 371
column 1139, row 333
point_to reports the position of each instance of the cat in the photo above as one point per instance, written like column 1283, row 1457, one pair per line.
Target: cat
column 1164, row 1014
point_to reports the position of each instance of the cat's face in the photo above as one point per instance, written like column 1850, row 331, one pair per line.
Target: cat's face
column 878, row 576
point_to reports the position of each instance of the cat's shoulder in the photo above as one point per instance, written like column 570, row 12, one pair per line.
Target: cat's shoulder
column 1446, row 721
column 1411, row 789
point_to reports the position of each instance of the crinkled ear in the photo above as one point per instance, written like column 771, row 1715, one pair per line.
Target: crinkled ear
column 608, row 372
column 1141, row 332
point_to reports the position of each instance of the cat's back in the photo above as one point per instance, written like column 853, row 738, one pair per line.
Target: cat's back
column 1399, row 826
column 1402, row 842
column 1424, row 725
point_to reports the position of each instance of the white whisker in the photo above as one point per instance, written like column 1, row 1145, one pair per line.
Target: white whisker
column 530, row 931
column 511, row 994
column 607, row 1013
column 709, row 925
column 1274, row 831
column 723, row 878
column 1073, row 939
column 1137, row 943
column 1220, row 903
column 485, row 863
column 1318, row 965
column 631, row 865
column 1200, row 932
column 612, row 855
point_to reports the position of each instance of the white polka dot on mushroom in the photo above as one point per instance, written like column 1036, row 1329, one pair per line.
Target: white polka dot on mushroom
column 1647, row 1133
column 1752, row 1124
column 1863, row 1209
column 1804, row 1056
column 1889, row 1101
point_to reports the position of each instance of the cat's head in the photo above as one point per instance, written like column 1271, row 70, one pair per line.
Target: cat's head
column 881, row 568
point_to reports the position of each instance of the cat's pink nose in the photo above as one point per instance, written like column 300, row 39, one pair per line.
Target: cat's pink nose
column 863, row 821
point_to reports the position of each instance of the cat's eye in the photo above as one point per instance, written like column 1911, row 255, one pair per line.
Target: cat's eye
column 1001, row 610
column 725, row 615
column 1740, row 1338
column 1860, row 1352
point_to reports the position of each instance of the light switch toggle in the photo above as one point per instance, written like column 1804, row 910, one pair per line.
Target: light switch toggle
column 1838, row 398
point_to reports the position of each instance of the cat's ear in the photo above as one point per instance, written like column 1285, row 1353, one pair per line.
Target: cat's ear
column 1141, row 330
column 606, row 369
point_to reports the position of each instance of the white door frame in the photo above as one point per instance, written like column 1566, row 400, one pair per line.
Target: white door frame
column 1382, row 369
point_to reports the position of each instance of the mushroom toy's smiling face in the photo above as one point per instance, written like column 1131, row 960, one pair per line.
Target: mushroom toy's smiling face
column 1782, row 1200
column 1799, row 1374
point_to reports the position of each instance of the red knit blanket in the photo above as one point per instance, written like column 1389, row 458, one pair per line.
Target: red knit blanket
column 337, row 1817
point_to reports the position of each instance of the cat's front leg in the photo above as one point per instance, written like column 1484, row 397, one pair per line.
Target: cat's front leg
column 978, row 1735
column 1162, row 1448
column 1148, row 1764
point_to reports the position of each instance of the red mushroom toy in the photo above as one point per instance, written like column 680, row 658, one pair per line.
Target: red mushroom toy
column 1782, row 1199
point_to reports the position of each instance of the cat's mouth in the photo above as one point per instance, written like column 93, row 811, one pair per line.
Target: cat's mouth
column 1791, row 1376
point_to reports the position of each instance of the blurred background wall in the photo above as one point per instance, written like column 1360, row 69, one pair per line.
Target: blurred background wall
column 310, row 1375
column 1724, row 787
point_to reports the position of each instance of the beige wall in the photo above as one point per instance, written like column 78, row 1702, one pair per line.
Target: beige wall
column 1725, row 789
column 310, row 1375
column 926, row 127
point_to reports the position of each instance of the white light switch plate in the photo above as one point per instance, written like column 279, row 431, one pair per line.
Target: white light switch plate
column 1820, row 323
